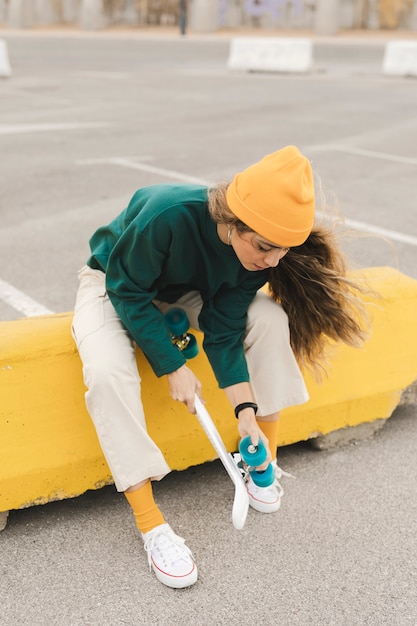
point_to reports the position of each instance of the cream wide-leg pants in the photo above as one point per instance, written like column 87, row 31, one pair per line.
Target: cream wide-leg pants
column 111, row 376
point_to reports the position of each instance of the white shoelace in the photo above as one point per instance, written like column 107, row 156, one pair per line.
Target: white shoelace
column 170, row 546
column 279, row 473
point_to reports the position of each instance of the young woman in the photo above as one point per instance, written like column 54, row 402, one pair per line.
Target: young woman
column 208, row 251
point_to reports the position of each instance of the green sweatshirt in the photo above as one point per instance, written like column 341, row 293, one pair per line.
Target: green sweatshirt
column 162, row 246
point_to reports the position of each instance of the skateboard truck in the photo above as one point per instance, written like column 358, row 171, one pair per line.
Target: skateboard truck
column 178, row 325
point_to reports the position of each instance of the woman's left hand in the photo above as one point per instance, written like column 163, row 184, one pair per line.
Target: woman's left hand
column 247, row 426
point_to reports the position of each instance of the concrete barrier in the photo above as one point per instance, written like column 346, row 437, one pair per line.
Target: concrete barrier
column 327, row 17
column 203, row 16
column 20, row 14
column 400, row 58
column 270, row 54
column 5, row 69
column 91, row 15
column 48, row 446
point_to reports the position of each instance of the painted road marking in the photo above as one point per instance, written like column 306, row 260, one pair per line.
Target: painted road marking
column 105, row 75
column 356, row 225
column 20, row 301
column 30, row 307
column 135, row 165
column 373, row 154
column 385, row 156
column 384, row 232
column 13, row 129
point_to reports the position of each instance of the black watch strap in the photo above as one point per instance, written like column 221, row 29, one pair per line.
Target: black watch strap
column 245, row 405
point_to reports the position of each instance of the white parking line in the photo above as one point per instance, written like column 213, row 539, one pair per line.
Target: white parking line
column 20, row 301
column 362, row 226
column 13, row 129
column 384, row 156
column 372, row 154
column 135, row 165
column 383, row 232
column 105, row 75
column 29, row 307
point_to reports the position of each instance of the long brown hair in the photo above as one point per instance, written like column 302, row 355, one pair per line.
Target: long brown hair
column 321, row 300
column 313, row 286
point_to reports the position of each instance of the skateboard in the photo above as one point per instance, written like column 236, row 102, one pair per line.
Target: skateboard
column 178, row 325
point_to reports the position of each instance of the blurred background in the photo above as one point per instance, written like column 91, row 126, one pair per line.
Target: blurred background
column 322, row 16
column 104, row 97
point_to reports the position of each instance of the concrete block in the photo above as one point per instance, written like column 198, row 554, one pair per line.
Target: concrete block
column 48, row 445
column 70, row 10
column 203, row 16
column 409, row 395
column 270, row 54
column 347, row 436
column 327, row 16
column 400, row 58
column 3, row 13
column 20, row 13
column 48, row 12
column 91, row 15
column 3, row 519
column 5, row 69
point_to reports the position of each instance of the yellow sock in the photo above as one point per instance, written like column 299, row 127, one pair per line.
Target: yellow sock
column 145, row 509
column 270, row 430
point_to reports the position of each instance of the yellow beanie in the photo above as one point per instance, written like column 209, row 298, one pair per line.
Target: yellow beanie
column 275, row 197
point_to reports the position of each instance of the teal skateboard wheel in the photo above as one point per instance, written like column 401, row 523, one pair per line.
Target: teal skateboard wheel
column 178, row 324
column 177, row 321
column 265, row 478
column 252, row 455
column 192, row 348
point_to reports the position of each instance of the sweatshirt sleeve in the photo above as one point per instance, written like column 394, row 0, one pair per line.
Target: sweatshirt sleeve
column 133, row 266
column 223, row 321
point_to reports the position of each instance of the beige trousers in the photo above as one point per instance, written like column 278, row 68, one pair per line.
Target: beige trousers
column 113, row 381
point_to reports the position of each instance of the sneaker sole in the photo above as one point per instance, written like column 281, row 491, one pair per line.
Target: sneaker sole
column 176, row 582
column 263, row 507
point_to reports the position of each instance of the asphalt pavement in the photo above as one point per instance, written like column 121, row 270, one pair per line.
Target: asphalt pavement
column 85, row 120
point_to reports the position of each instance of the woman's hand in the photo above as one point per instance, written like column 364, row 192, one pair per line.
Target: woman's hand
column 247, row 426
column 183, row 385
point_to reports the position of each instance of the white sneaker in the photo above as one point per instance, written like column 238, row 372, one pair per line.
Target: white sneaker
column 267, row 499
column 169, row 557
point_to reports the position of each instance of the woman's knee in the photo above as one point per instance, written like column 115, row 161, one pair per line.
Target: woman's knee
column 267, row 318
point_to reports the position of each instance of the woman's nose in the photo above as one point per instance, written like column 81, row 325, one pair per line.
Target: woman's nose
column 273, row 257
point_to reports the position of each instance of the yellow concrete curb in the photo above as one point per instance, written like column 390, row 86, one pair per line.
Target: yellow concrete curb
column 48, row 445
